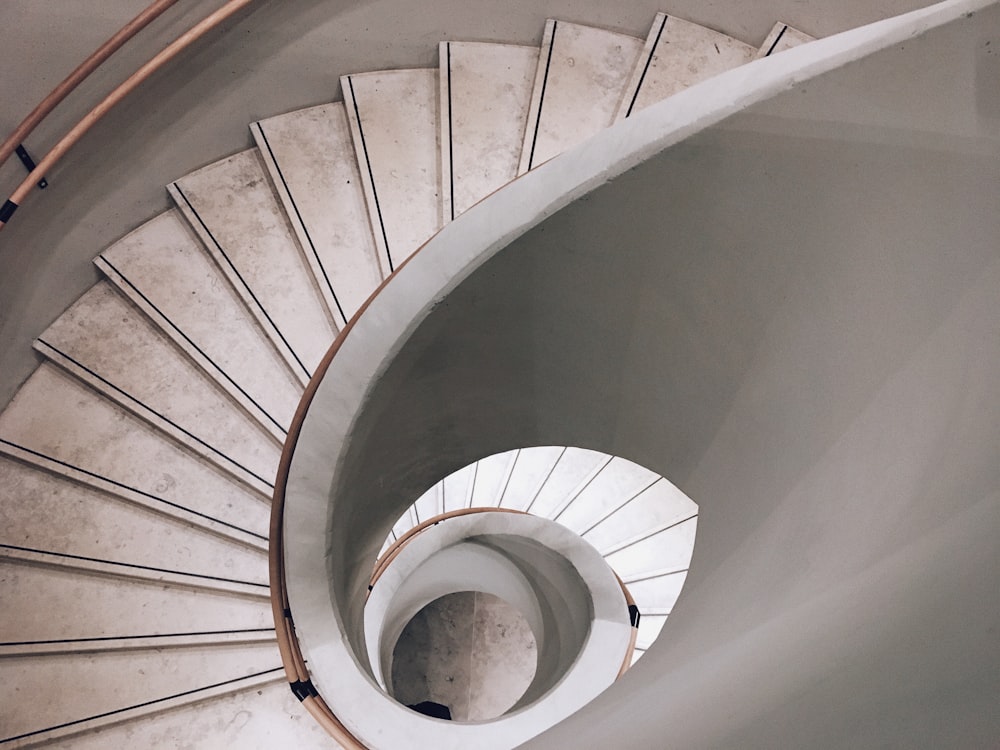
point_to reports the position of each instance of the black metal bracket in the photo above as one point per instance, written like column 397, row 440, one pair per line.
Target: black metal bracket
column 303, row 690
column 6, row 211
column 633, row 615
column 29, row 164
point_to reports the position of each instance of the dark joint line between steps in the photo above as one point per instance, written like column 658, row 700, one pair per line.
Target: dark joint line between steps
column 643, row 577
column 619, row 507
column 776, row 40
column 541, row 96
column 298, row 214
column 371, row 175
column 451, row 139
column 144, row 704
column 194, row 345
column 135, row 566
column 134, row 489
column 150, row 636
column 173, row 424
column 649, row 61
column 545, row 481
column 652, row 534
column 246, row 286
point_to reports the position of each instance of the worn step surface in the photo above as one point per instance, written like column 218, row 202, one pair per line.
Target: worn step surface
column 63, row 608
column 106, row 446
column 679, row 54
column 61, row 686
column 394, row 122
column 310, row 158
column 485, row 95
column 262, row 716
column 231, row 205
column 782, row 37
column 87, row 527
column 109, row 344
column 581, row 77
column 164, row 270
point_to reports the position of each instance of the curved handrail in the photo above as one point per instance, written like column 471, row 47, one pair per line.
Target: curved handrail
column 284, row 628
column 88, row 121
column 79, row 74
column 397, row 546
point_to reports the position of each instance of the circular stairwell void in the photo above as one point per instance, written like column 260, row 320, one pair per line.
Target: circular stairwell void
column 575, row 607
column 469, row 651
column 641, row 523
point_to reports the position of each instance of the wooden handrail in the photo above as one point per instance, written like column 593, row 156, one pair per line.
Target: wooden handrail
column 71, row 138
column 397, row 546
column 82, row 71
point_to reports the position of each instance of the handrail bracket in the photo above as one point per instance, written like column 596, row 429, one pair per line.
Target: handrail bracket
column 29, row 163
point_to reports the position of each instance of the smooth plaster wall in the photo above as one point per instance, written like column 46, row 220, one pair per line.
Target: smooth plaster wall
column 281, row 55
column 792, row 316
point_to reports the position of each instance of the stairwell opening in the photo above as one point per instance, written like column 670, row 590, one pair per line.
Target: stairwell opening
column 469, row 651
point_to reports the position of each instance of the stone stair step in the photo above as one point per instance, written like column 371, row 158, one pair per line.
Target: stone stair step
column 485, row 95
column 164, row 270
column 394, row 123
column 53, row 695
column 56, row 608
column 51, row 513
column 581, row 77
column 782, row 37
column 107, row 343
column 618, row 483
column 232, row 208
column 656, row 506
column 58, row 423
column 310, row 158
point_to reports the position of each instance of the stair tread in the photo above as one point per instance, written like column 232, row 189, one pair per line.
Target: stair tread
column 457, row 488
column 164, row 269
column 669, row 549
column 678, row 54
column 55, row 604
column 657, row 593
column 105, row 439
column 575, row 465
column 120, row 352
column 581, row 77
column 126, row 680
column 485, row 96
column 311, row 159
column 394, row 123
column 258, row 718
column 619, row 481
column 533, row 467
column 649, row 629
column 492, row 474
column 231, row 205
column 782, row 37
column 659, row 505
column 50, row 513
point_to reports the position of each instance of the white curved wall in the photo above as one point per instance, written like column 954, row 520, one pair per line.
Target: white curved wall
column 793, row 314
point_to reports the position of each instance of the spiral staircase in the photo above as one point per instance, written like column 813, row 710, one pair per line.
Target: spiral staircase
column 139, row 459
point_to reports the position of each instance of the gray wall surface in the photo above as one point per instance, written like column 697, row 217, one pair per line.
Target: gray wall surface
column 793, row 316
